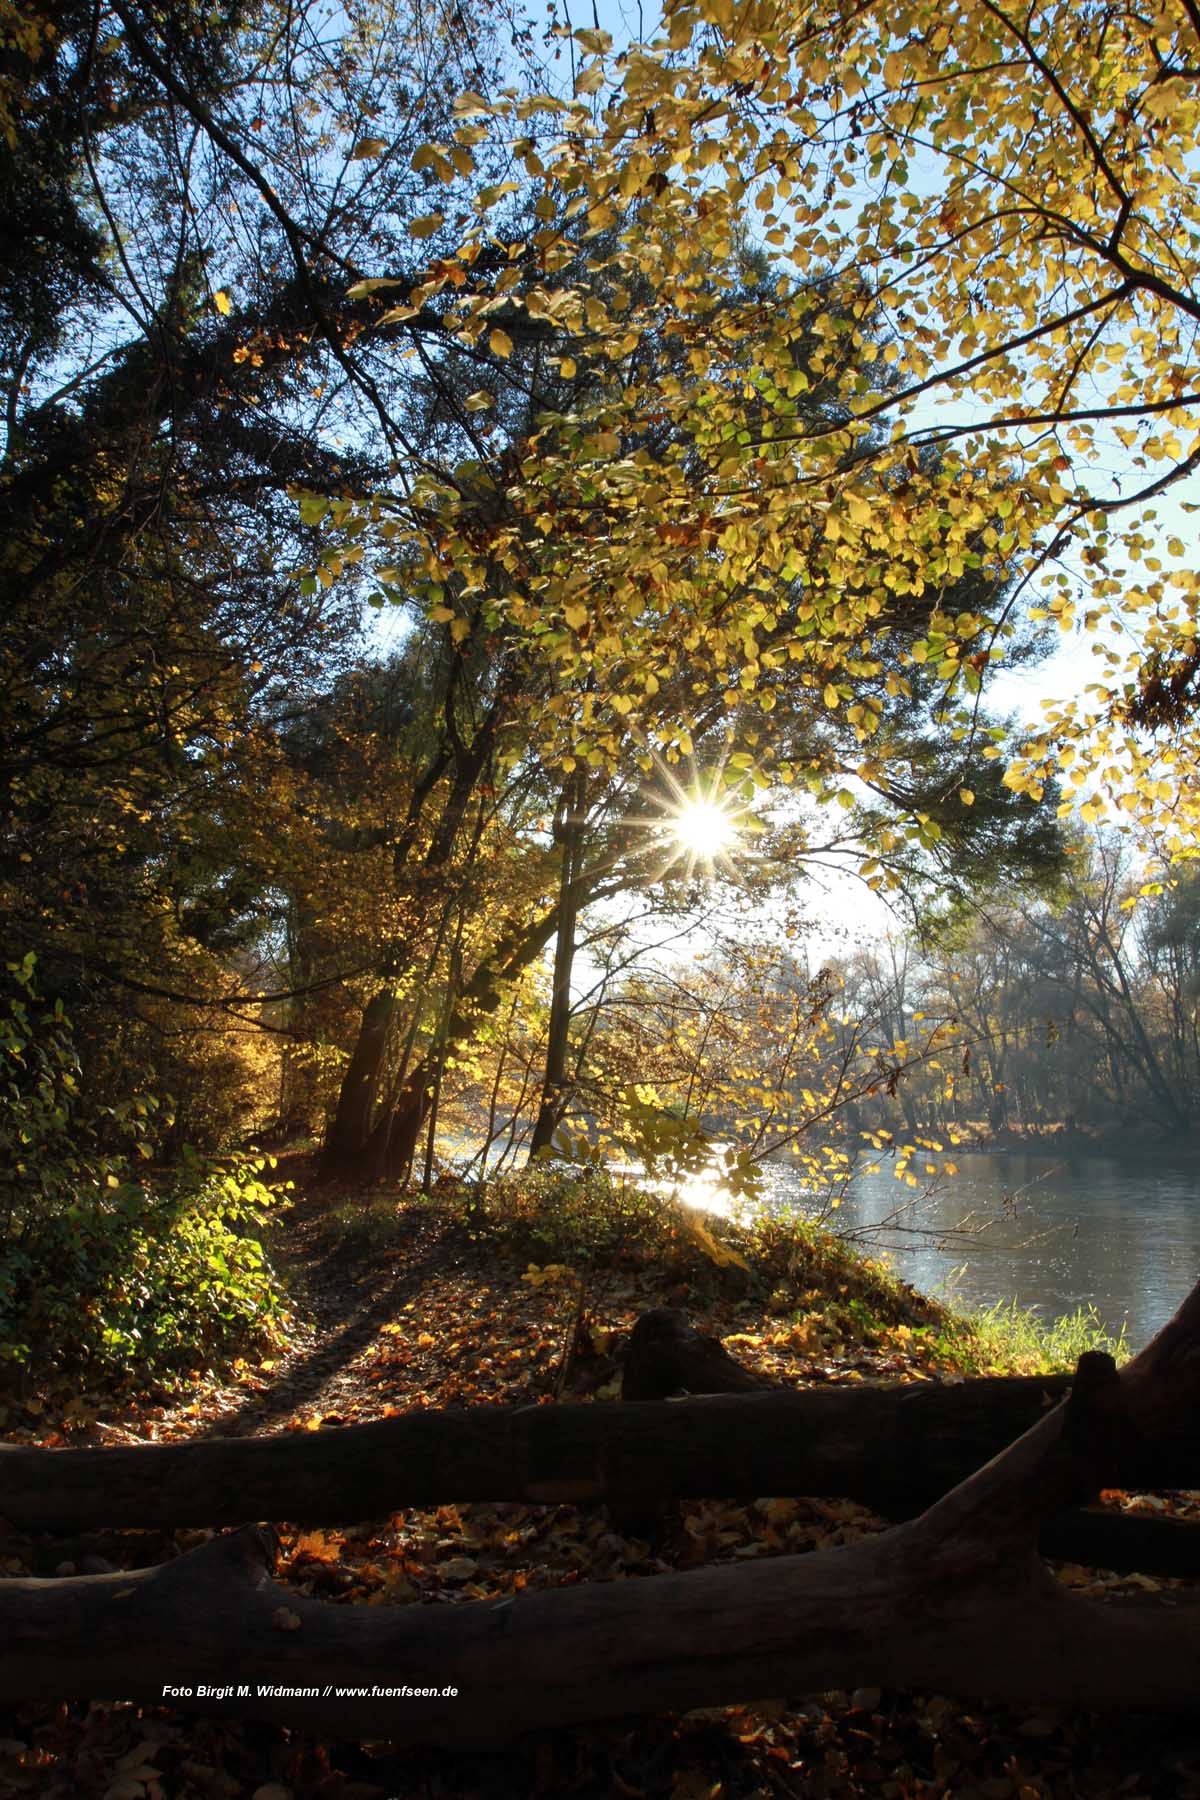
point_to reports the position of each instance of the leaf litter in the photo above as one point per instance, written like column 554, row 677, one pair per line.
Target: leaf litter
column 451, row 1322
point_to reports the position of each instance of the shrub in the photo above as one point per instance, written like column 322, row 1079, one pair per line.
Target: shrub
column 550, row 1212
column 101, row 1268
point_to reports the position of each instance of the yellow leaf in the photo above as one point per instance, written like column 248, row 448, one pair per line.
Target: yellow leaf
column 428, row 156
column 966, row 796
column 426, row 226
column 831, row 696
column 370, row 286
column 222, row 302
column 894, row 69
column 576, row 616
column 500, row 342
column 719, row 1253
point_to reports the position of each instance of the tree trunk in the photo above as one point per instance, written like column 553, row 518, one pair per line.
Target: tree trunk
column 394, row 1142
column 401, row 1130
column 558, row 1036
column 351, row 1127
column 955, row 1601
column 353, row 1147
column 667, row 1356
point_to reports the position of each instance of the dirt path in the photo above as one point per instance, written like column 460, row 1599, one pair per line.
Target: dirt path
column 341, row 1303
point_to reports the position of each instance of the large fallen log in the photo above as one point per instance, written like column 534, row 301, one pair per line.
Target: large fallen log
column 956, row 1601
column 897, row 1448
column 668, row 1356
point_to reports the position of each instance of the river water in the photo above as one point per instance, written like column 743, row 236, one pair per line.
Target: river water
column 1053, row 1232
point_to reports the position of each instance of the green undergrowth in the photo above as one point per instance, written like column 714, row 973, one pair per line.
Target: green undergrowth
column 139, row 1282
column 1017, row 1340
column 115, row 1272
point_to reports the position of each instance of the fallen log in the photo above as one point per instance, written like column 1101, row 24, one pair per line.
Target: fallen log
column 897, row 1447
column 1125, row 1542
column 668, row 1356
column 956, row 1601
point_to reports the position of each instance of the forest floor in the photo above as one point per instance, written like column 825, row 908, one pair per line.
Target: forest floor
column 413, row 1306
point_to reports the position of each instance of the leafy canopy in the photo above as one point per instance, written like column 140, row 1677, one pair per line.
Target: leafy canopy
column 1003, row 204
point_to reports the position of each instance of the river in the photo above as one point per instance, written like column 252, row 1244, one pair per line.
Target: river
column 1120, row 1232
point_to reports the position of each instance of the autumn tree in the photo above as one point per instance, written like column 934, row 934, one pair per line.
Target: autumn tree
column 566, row 684
column 284, row 296
column 1007, row 196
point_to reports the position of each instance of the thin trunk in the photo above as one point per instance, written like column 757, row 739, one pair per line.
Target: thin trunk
column 555, row 1092
column 453, row 978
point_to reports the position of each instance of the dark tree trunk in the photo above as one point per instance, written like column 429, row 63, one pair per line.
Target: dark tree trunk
column 955, row 1601
column 351, row 1127
column 667, row 1355
column 354, row 1147
column 400, row 1132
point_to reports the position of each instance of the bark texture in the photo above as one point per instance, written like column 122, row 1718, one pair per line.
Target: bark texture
column 897, row 1447
column 667, row 1356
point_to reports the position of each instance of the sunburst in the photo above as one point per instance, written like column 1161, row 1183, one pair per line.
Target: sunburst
column 701, row 826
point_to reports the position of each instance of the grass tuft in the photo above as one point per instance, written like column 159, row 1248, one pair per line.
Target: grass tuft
column 1012, row 1339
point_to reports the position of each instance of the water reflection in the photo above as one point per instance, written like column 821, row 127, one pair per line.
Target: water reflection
column 1121, row 1233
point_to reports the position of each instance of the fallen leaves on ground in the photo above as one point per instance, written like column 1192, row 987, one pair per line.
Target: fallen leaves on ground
column 450, row 1324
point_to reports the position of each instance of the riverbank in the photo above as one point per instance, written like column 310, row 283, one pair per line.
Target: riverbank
column 1127, row 1135
column 1120, row 1231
